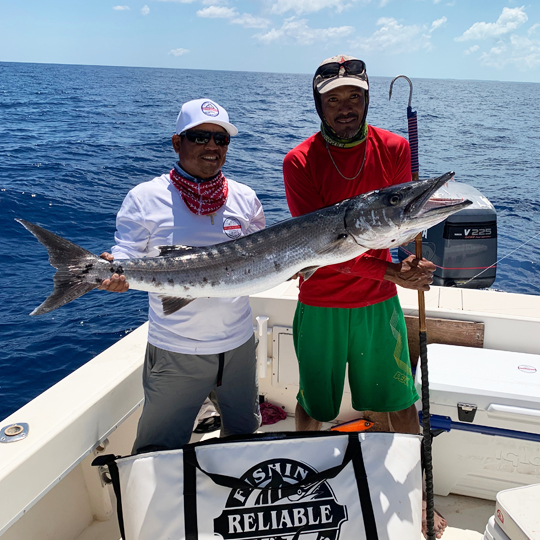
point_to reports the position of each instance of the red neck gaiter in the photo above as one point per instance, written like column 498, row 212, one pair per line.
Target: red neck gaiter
column 204, row 198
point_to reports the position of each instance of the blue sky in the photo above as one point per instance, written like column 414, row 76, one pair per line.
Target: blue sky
column 456, row 39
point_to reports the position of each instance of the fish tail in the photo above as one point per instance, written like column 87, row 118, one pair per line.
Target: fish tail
column 73, row 264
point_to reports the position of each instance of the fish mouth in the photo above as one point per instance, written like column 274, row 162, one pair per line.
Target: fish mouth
column 425, row 204
column 435, row 206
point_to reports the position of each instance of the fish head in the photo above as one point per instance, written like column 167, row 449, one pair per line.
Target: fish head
column 393, row 216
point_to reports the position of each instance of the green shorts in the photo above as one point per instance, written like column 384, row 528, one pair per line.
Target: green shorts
column 372, row 340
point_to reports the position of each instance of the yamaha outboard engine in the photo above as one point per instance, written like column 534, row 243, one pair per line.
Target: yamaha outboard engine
column 465, row 244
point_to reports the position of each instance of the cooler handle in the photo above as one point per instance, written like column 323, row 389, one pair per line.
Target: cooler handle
column 532, row 414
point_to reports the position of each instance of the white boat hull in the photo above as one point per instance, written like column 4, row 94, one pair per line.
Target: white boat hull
column 49, row 489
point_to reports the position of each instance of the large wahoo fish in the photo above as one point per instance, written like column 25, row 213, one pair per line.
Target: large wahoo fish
column 379, row 219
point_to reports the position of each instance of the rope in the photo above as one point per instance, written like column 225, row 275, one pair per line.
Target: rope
column 501, row 259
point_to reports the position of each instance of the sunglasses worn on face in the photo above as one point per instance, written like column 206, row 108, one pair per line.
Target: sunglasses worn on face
column 351, row 67
column 203, row 137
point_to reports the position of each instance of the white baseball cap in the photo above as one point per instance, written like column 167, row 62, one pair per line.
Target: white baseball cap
column 203, row 111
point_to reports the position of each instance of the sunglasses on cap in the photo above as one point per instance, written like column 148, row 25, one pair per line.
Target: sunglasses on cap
column 203, row 137
column 328, row 71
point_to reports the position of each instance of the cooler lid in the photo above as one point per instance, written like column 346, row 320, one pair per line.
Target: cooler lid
column 503, row 383
column 517, row 512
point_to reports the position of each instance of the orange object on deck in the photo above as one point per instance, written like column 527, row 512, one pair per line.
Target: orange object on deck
column 353, row 425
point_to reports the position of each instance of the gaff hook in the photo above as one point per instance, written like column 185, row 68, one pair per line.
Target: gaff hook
column 413, row 129
column 426, row 425
column 410, row 84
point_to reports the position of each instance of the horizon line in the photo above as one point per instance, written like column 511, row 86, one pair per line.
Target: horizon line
column 250, row 71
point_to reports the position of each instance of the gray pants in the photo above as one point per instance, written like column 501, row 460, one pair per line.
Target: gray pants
column 176, row 385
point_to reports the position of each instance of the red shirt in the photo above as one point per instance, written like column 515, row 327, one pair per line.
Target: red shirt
column 312, row 182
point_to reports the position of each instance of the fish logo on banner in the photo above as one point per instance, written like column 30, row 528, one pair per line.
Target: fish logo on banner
column 283, row 512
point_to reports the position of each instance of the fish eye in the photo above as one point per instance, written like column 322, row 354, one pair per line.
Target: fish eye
column 395, row 199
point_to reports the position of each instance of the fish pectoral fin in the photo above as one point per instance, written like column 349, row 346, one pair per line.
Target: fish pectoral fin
column 174, row 251
column 173, row 303
column 334, row 245
column 309, row 271
column 306, row 273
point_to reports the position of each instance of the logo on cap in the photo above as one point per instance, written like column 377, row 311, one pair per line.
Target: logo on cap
column 209, row 108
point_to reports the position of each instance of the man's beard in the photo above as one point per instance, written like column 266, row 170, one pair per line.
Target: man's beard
column 347, row 131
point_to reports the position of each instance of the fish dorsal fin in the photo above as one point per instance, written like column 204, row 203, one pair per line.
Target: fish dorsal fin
column 173, row 303
column 174, row 251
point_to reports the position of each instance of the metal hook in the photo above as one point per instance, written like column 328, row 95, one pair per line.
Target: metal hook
column 392, row 84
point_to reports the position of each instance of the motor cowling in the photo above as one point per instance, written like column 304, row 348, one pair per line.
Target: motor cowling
column 464, row 245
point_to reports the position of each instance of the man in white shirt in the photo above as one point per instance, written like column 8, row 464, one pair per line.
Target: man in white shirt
column 208, row 345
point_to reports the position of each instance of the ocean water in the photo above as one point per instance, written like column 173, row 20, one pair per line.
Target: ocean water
column 75, row 139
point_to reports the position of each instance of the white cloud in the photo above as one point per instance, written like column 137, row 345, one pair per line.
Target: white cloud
column 384, row 3
column 472, row 49
column 522, row 52
column 309, row 6
column 509, row 20
column 394, row 38
column 298, row 31
column 245, row 19
column 510, row 48
column 249, row 21
column 438, row 23
column 214, row 2
column 533, row 28
column 178, row 52
column 121, row 8
column 145, row 10
column 217, row 12
column 437, row 1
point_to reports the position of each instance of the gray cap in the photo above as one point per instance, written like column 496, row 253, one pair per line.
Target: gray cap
column 342, row 78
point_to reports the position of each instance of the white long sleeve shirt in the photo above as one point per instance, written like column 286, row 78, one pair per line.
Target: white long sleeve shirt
column 153, row 214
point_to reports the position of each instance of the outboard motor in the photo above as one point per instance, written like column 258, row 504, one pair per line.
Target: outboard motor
column 464, row 245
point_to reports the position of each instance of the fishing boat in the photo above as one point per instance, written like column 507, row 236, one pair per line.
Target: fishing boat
column 50, row 490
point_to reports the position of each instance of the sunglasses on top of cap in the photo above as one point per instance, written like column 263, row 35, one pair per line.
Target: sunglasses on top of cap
column 352, row 68
column 198, row 136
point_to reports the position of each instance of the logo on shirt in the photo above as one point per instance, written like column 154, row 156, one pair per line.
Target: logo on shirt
column 209, row 108
column 274, row 508
column 232, row 227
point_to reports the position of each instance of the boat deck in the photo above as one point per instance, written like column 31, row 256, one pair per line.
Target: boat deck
column 466, row 516
column 50, row 490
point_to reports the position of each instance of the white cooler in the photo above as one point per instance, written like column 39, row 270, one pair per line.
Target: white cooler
column 487, row 405
column 517, row 513
column 493, row 531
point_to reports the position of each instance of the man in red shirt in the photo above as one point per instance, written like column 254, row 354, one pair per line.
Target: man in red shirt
column 349, row 314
